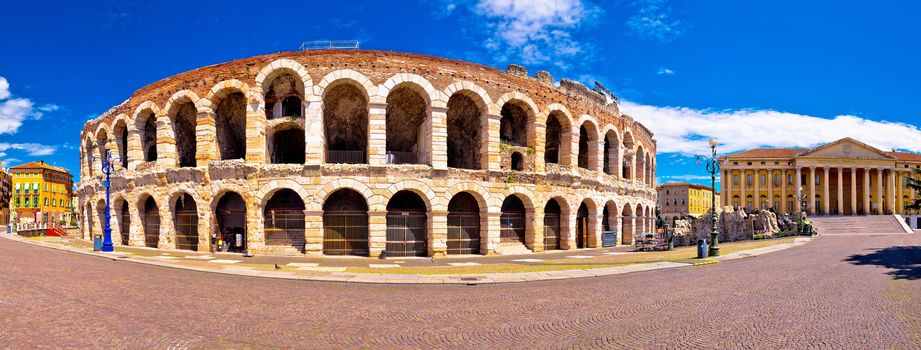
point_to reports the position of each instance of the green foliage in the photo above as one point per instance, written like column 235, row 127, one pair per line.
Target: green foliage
column 510, row 180
column 758, row 236
column 915, row 184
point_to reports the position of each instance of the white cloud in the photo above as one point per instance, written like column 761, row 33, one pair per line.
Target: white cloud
column 653, row 21
column 534, row 31
column 665, row 71
column 686, row 177
column 4, row 88
column 686, row 130
column 32, row 149
column 13, row 111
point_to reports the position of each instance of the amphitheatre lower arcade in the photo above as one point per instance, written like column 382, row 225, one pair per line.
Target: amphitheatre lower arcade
column 360, row 152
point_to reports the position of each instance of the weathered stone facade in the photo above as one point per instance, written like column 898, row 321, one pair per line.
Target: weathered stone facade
column 287, row 132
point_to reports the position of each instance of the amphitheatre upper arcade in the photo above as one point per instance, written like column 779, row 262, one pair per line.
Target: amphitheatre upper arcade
column 357, row 152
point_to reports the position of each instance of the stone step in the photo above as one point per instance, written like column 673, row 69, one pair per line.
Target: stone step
column 513, row 249
column 872, row 224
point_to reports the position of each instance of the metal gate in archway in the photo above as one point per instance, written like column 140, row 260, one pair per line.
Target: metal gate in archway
column 512, row 227
column 463, row 233
column 151, row 229
column 285, row 227
column 551, row 231
column 124, row 225
column 187, row 229
column 406, row 233
column 345, row 232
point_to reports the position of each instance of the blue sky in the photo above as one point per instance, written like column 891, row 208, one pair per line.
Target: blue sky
column 776, row 74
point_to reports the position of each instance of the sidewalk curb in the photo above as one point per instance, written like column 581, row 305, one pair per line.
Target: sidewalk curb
column 382, row 278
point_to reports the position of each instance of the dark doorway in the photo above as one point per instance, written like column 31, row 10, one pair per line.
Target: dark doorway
column 231, row 222
column 288, row 146
column 407, row 225
column 124, row 225
column 186, row 222
column 512, row 221
column 552, row 217
column 151, row 217
column 345, row 224
column 463, row 225
column 284, row 220
column 581, row 226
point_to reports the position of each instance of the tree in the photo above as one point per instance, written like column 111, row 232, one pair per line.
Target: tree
column 915, row 184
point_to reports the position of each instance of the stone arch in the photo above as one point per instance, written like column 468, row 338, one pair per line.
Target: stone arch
column 185, row 218
column 414, row 186
column 467, row 121
column 480, row 193
column 120, row 135
column 611, row 151
column 149, row 211
column 613, row 212
column 558, row 133
column 269, row 189
column 516, row 128
column 283, row 219
column 182, row 116
column 346, row 131
column 266, row 78
column 640, row 164
column 346, row 223
column 145, row 127
column 233, row 219
column 102, row 142
column 362, row 188
column 408, row 118
column 588, row 143
column 228, row 103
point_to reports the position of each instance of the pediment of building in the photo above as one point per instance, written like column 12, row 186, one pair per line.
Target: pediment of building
column 846, row 148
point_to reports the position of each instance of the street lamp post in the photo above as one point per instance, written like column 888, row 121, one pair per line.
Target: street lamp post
column 713, row 167
column 107, row 169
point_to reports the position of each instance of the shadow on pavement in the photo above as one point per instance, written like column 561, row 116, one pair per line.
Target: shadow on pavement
column 905, row 261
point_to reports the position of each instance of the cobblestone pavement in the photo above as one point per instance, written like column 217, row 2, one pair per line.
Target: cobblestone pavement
column 848, row 292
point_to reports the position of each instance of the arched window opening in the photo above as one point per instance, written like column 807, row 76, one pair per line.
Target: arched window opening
column 513, row 126
column 407, row 226
column 186, row 222
column 124, row 222
column 151, row 218
column 552, row 220
column 149, row 137
column 345, row 116
column 582, row 226
column 583, row 147
column 283, row 219
column 287, row 89
column 102, row 147
column 345, row 224
column 231, row 126
column 464, row 130
column 513, row 222
column 183, row 121
column 407, row 136
column 553, row 140
column 611, row 152
column 121, row 141
column 287, row 146
column 605, row 220
column 463, row 225
column 230, row 213
column 517, row 161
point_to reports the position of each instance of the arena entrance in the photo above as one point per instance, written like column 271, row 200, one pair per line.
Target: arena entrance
column 512, row 221
column 552, row 217
column 345, row 224
column 124, row 224
column 463, row 225
column 284, row 220
column 231, row 222
column 186, row 222
column 151, row 217
column 407, row 226
column 581, row 226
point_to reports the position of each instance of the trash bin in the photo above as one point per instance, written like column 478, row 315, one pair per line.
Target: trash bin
column 702, row 248
column 97, row 242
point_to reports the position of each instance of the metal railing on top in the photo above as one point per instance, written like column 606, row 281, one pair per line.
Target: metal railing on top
column 402, row 157
column 345, row 157
column 330, row 45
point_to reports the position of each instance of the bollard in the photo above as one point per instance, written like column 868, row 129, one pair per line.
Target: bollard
column 702, row 248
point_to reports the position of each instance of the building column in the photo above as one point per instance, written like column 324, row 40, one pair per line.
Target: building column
column 742, row 181
column 853, row 191
column 783, row 191
column 770, row 179
column 866, row 191
column 313, row 233
column 724, row 187
column 899, row 201
column 890, row 192
column 438, row 234
column 811, row 204
column 825, row 194
column 757, row 179
column 438, row 145
column 879, row 190
column 377, row 133
column 798, row 190
column 840, row 191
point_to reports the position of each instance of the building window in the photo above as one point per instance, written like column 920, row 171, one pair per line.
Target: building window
column 748, row 180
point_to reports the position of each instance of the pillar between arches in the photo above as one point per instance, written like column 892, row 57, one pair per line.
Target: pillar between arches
column 313, row 232
column 438, row 234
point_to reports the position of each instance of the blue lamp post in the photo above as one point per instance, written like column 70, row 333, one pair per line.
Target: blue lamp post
column 107, row 169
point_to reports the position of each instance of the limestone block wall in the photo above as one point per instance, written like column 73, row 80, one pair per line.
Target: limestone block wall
column 586, row 120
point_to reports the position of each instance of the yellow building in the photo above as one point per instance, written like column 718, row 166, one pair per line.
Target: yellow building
column 41, row 192
column 845, row 177
column 680, row 199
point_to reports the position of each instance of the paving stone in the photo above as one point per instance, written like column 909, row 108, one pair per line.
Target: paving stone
column 224, row 261
column 464, row 264
column 383, row 266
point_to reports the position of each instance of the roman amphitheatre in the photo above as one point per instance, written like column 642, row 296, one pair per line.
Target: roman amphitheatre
column 361, row 152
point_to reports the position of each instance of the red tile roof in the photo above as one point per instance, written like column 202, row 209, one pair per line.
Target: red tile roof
column 768, row 153
column 905, row 156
